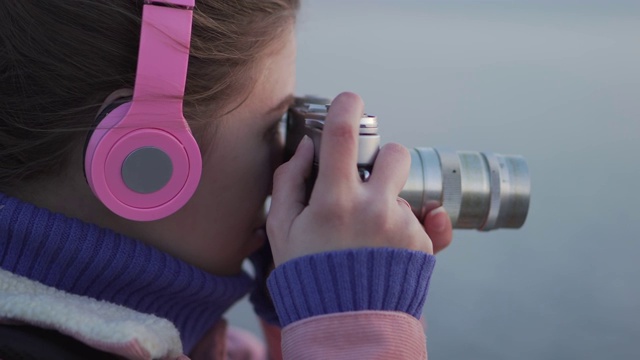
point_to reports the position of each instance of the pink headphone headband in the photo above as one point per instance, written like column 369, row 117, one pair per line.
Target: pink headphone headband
column 163, row 55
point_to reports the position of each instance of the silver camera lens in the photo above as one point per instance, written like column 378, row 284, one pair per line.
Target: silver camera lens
column 483, row 191
column 479, row 190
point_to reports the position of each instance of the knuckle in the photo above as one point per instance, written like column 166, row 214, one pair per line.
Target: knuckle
column 274, row 224
column 342, row 132
column 281, row 173
column 271, row 225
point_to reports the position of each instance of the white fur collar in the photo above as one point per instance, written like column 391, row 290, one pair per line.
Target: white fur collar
column 99, row 324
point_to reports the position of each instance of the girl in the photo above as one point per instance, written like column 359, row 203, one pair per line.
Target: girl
column 133, row 272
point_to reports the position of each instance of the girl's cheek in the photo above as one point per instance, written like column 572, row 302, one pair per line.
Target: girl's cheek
column 277, row 153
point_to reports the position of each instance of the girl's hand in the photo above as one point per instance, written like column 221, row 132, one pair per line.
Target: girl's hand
column 344, row 212
column 438, row 226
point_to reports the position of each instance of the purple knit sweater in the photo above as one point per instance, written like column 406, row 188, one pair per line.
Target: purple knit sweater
column 84, row 259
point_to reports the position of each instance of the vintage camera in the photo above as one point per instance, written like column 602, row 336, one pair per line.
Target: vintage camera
column 479, row 190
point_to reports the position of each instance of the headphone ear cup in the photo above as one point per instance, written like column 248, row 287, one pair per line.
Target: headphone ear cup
column 142, row 161
column 96, row 124
column 141, row 173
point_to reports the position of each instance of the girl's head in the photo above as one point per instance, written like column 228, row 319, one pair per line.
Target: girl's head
column 62, row 60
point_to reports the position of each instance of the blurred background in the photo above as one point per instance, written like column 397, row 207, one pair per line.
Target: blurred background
column 555, row 81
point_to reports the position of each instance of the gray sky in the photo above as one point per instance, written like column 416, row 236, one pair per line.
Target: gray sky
column 554, row 81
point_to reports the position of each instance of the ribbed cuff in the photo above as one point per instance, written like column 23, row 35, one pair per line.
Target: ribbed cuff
column 351, row 280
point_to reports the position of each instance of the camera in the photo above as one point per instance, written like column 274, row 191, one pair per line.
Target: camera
column 479, row 190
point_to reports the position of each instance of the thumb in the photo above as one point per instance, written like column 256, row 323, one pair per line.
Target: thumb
column 438, row 226
column 288, row 198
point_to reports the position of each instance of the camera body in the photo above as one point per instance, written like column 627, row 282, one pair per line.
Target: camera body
column 307, row 117
column 479, row 190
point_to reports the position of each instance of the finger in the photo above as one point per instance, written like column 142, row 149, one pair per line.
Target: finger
column 438, row 226
column 289, row 191
column 390, row 170
column 339, row 146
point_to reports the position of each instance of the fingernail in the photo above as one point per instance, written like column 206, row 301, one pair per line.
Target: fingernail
column 304, row 142
column 438, row 222
column 306, row 139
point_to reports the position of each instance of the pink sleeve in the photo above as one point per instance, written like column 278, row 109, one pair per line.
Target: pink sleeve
column 273, row 337
column 355, row 335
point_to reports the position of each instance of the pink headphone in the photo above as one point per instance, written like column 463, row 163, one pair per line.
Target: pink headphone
column 142, row 161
